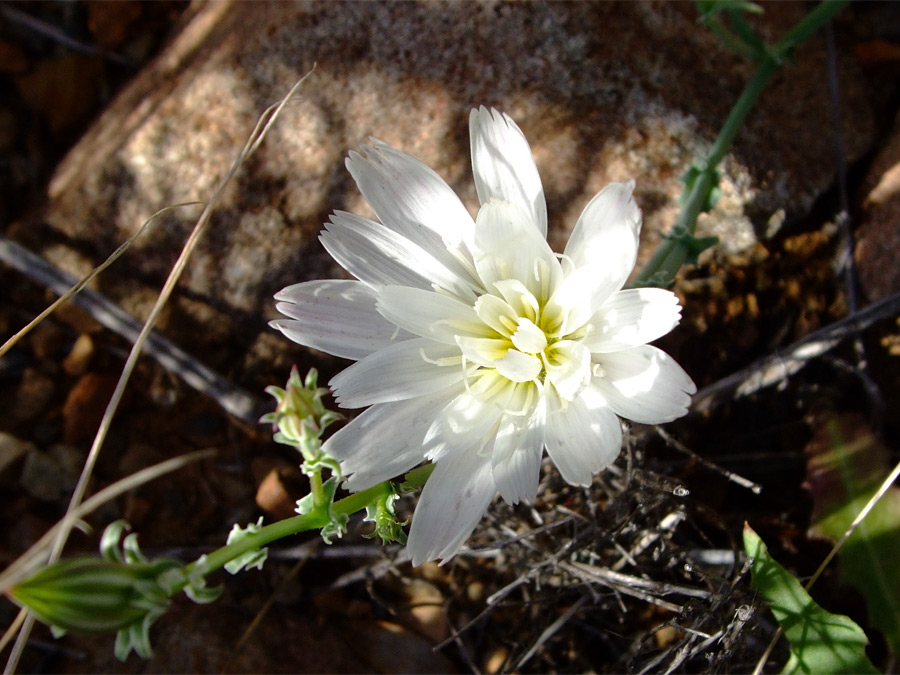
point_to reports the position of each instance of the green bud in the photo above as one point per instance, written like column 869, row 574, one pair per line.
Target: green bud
column 87, row 595
column 381, row 512
column 300, row 415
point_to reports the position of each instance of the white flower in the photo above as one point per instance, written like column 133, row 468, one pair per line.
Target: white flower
column 476, row 346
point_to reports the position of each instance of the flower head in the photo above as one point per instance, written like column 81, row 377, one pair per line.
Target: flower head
column 476, row 346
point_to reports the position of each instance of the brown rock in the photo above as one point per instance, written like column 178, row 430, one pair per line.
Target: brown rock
column 278, row 492
column 603, row 91
column 32, row 397
column 85, row 405
column 79, row 357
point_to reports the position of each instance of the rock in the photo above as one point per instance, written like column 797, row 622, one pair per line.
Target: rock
column 79, row 357
column 878, row 232
column 11, row 451
column 280, row 489
column 51, row 474
column 85, row 405
column 388, row 647
column 603, row 91
column 32, row 397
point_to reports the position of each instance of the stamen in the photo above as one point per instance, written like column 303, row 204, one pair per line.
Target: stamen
column 542, row 276
column 445, row 361
column 567, row 259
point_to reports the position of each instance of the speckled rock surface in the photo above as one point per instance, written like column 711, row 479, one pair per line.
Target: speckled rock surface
column 603, row 91
column 878, row 232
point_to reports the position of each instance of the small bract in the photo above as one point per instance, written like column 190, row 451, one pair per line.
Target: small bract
column 476, row 346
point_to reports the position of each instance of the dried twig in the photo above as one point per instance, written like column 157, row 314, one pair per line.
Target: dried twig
column 777, row 367
column 262, row 128
column 234, row 400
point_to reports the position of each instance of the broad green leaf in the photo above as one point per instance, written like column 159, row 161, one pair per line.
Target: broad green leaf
column 821, row 642
column 846, row 465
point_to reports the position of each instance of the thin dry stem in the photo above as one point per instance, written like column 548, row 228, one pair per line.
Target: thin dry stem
column 63, row 529
column 74, row 290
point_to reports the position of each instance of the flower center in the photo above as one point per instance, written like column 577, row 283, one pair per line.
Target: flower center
column 524, row 346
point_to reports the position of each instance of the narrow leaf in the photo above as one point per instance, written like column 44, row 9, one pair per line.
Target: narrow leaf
column 821, row 642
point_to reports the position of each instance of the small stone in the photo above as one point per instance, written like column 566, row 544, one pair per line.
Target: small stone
column 46, row 340
column 426, row 610
column 496, row 660
column 79, row 357
column 51, row 474
column 389, row 648
column 85, row 406
column 276, row 496
column 34, row 393
column 475, row 591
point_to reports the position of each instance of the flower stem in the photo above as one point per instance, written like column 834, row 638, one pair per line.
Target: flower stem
column 316, row 519
column 671, row 254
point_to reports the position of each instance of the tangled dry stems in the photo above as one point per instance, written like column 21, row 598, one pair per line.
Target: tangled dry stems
column 630, row 575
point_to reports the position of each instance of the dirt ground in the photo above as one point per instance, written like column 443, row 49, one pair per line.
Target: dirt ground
column 513, row 605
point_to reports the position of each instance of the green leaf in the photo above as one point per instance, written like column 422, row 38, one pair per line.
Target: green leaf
column 255, row 558
column 693, row 246
column 846, row 465
column 821, row 642
column 689, row 179
column 337, row 522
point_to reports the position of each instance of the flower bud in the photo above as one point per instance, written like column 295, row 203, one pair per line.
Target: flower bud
column 90, row 595
column 300, row 415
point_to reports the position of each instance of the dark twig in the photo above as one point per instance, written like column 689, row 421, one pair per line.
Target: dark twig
column 48, row 30
column 846, row 263
column 551, row 630
column 755, row 488
column 777, row 367
column 234, row 400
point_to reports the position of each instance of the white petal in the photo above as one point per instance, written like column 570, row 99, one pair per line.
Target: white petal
column 411, row 199
column 453, row 501
column 401, row 371
column 583, row 437
column 497, row 314
column 632, row 318
column 429, row 314
column 335, row 316
column 529, row 338
column 568, row 367
column 380, row 257
column 467, row 420
column 483, row 351
column 644, row 384
column 516, row 456
column 578, row 297
column 519, row 367
column 606, row 234
column 507, row 246
column 503, row 165
column 387, row 439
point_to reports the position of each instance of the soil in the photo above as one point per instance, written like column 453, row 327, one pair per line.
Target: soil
column 512, row 603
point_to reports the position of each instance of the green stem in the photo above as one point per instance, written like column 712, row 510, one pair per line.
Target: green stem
column 315, row 488
column 316, row 519
column 670, row 255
